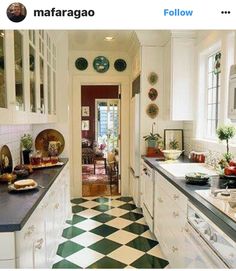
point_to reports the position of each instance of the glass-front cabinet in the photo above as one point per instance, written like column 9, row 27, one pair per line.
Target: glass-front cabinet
column 27, row 77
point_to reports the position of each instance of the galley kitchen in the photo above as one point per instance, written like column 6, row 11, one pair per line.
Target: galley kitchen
column 118, row 149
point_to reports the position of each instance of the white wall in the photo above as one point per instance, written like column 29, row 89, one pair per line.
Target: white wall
column 152, row 61
column 89, row 77
column 193, row 131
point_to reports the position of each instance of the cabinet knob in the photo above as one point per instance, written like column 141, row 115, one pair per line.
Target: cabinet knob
column 174, row 249
column 56, row 206
column 175, row 196
column 160, row 200
column 29, row 231
column 175, row 214
column 39, row 243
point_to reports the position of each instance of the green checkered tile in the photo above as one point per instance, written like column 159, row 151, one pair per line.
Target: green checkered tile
column 103, row 218
column 105, row 246
column 102, row 200
column 103, row 208
column 77, row 209
column 68, row 248
column 65, row 264
column 148, row 261
column 107, row 263
column 71, row 232
column 132, row 216
column 104, row 230
column 128, row 206
column 136, row 228
column 78, row 200
column 75, row 219
column 142, row 243
column 125, row 199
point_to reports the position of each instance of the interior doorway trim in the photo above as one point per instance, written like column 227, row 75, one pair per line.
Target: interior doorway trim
column 76, row 152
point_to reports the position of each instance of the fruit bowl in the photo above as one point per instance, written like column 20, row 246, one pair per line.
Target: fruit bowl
column 171, row 154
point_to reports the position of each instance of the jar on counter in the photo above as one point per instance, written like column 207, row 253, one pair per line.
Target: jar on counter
column 36, row 158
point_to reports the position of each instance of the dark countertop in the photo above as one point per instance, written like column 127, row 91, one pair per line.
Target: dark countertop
column 16, row 207
column 224, row 222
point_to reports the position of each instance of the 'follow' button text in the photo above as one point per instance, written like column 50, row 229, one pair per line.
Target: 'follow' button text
column 177, row 12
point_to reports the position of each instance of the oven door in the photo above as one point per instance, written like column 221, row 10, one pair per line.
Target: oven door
column 217, row 241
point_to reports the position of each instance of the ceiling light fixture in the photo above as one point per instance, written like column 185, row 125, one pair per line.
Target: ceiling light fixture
column 109, row 38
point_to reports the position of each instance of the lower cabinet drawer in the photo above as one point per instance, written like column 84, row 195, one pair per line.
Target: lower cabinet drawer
column 7, row 245
column 7, row 264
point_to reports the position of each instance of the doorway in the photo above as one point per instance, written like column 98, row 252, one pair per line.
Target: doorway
column 100, row 119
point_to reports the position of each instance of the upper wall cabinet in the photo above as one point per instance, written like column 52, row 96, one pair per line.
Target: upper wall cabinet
column 27, row 77
column 179, row 77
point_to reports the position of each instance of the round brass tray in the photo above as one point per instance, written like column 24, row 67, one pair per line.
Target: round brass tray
column 43, row 138
column 5, row 159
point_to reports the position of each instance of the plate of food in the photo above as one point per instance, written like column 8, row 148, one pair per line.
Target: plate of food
column 197, row 178
column 22, row 185
column 7, row 177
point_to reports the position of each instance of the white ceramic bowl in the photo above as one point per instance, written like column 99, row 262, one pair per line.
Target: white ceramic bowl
column 172, row 154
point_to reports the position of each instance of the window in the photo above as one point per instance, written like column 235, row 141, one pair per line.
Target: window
column 213, row 94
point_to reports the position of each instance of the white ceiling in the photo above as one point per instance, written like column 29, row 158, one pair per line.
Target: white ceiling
column 93, row 40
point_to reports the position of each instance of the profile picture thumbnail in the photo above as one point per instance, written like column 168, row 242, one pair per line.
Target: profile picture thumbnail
column 16, row 12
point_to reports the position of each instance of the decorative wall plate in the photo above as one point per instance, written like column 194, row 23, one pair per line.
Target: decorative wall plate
column 152, row 94
column 120, row 65
column 152, row 78
column 6, row 159
column 152, row 110
column 101, row 64
column 43, row 138
column 81, row 63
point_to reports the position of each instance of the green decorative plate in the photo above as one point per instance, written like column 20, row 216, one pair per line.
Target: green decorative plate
column 152, row 78
column 120, row 65
column 101, row 64
column 81, row 63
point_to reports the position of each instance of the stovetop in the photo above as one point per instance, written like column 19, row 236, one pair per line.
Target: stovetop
column 227, row 181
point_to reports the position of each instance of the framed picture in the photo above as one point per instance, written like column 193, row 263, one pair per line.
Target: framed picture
column 85, row 125
column 85, row 111
column 173, row 139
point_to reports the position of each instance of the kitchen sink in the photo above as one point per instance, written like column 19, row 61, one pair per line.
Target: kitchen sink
column 179, row 170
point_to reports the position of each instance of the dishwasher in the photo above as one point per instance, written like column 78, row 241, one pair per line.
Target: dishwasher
column 221, row 246
column 147, row 174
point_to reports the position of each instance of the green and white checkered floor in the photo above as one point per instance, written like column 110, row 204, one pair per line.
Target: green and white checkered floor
column 108, row 232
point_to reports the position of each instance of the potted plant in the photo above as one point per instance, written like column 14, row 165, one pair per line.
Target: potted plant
column 26, row 145
column 226, row 132
column 152, row 139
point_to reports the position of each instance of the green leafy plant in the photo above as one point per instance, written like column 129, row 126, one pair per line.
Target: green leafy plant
column 174, row 144
column 26, row 142
column 226, row 132
column 152, row 136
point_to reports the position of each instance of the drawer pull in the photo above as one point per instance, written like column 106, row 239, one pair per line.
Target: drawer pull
column 39, row 243
column 174, row 249
column 30, row 231
column 175, row 214
column 175, row 196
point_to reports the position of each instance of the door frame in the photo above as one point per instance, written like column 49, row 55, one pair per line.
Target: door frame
column 75, row 128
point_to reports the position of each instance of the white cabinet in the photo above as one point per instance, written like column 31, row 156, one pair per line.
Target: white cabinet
column 176, row 237
column 170, row 208
column 179, row 77
column 36, row 244
column 135, row 188
column 27, row 77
